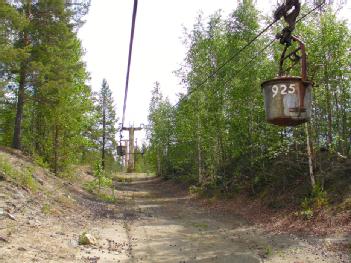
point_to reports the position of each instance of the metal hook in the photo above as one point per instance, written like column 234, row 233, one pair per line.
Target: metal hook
column 290, row 11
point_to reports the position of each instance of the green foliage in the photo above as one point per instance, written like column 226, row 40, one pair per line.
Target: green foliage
column 307, row 211
column 105, row 129
column 109, row 198
column 316, row 200
column 91, row 186
column 319, row 197
column 142, row 164
column 102, row 180
column 38, row 160
column 41, row 53
column 218, row 134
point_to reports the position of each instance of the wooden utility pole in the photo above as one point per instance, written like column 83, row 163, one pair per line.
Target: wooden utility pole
column 131, row 154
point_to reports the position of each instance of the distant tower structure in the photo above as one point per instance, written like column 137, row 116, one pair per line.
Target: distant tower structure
column 124, row 156
column 131, row 149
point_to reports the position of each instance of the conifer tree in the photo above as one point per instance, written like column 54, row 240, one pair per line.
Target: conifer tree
column 52, row 99
column 107, row 123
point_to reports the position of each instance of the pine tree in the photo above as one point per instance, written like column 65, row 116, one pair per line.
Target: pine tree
column 12, row 54
column 53, row 101
column 107, row 122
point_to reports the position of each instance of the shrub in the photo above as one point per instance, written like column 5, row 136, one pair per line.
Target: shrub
column 316, row 200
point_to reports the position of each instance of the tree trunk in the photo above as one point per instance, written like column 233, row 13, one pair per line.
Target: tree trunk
column 103, row 138
column 310, row 157
column 329, row 116
column 337, row 121
column 56, row 146
column 16, row 141
column 199, row 156
column 159, row 170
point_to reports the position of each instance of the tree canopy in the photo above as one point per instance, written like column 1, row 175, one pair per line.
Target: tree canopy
column 217, row 135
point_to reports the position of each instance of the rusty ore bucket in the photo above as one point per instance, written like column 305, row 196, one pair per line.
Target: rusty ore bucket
column 287, row 100
column 121, row 150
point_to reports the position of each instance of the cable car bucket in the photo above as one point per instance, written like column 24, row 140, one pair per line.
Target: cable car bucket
column 288, row 99
column 121, row 149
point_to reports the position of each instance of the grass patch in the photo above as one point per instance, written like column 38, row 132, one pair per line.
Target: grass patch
column 38, row 160
column 200, row 226
column 22, row 177
column 109, row 198
column 100, row 192
column 268, row 251
column 46, row 209
column 122, row 179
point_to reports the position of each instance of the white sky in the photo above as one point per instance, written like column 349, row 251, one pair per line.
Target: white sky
column 158, row 49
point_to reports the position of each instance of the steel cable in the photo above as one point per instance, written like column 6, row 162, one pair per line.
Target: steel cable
column 135, row 8
column 214, row 73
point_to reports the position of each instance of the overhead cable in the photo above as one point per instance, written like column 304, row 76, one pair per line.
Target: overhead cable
column 235, row 55
column 135, row 8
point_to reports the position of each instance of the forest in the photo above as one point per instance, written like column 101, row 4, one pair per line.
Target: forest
column 218, row 139
column 47, row 109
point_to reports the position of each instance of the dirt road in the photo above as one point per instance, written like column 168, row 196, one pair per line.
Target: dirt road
column 161, row 225
column 153, row 221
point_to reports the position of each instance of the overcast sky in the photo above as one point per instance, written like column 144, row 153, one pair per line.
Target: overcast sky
column 157, row 51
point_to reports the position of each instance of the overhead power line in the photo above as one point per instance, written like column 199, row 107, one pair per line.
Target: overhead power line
column 135, row 8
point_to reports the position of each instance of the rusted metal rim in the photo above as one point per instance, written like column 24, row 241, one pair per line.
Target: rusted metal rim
column 284, row 78
column 287, row 121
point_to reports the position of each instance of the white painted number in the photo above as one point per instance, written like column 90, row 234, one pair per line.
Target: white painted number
column 284, row 90
column 292, row 88
column 275, row 90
